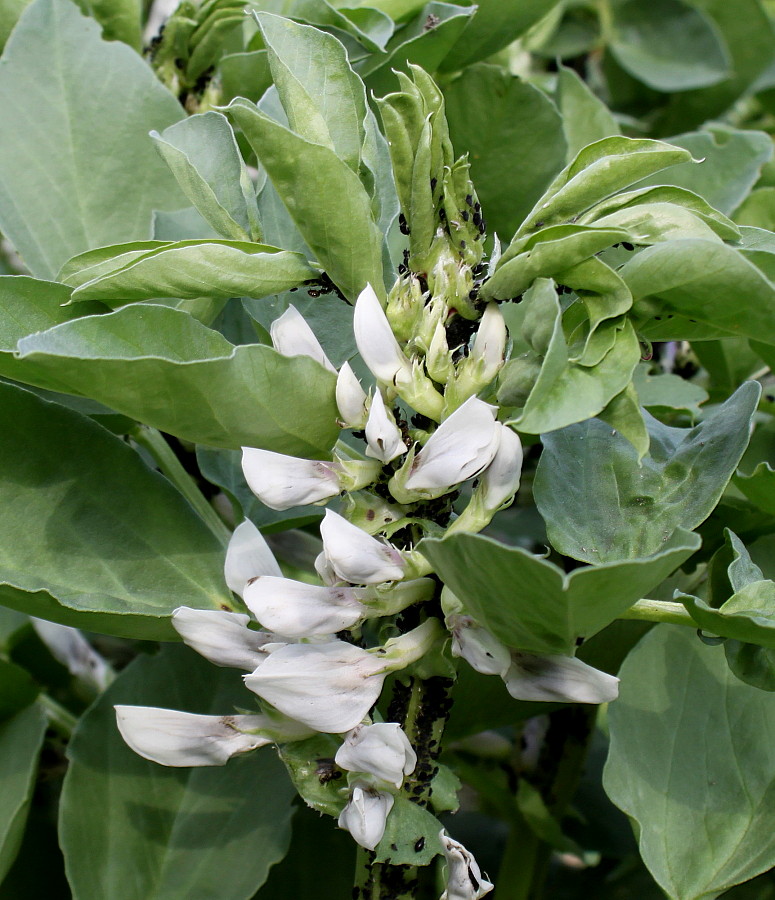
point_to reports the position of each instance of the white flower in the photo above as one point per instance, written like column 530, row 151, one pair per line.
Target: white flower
column 376, row 342
column 480, row 649
column 224, row 637
column 497, row 484
column 70, row 647
column 365, row 816
column 463, row 445
column 173, row 738
column 297, row 609
column 247, row 555
column 381, row 750
column 382, row 434
column 350, row 398
column 464, row 878
column 281, row 481
column 292, row 336
column 558, row 678
column 328, row 686
column 358, row 557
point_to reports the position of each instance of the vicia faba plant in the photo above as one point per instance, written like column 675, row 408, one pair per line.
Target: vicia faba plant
column 386, row 441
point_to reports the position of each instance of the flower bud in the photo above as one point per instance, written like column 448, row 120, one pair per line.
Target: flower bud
column 358, row 557
column 484, row 362
column 459, row 449
column 381, row 750
column 383, row 436
column 477, row 646
column 247, row 555
column 558, row 678
column 464, row 878
column 173, row 738
column 351, row 399
column 405, row 306
column 438, row 359
column 369, row 512
column 292, row 336
column 365, row 815
column 224, row 637
column 299, row 610
column 328, row 686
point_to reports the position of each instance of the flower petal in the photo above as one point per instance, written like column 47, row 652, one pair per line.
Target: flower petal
column 480, row 649
column 281, row 481
column 328, row 686
column 297, row 609
column 381, row 750
column 558, row 678
column 376, row 342
column 382, row 434
column 173, row 738
column 500, row 480
column 72, row 649
column 248, row 555
column 350, row 398
column 464, row 878
column 365, row 816
column 358, row 557
column 292, row 336
column 460, row 448
column 223, row 637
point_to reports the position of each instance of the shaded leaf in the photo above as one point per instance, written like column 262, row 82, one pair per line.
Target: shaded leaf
column 88, row 523
column 601, row 505
column 153, row 836
column 692, row 761
column 585, row 118
column 667, row 391
column 514, row 137
column 21, row 738
column 408, row 828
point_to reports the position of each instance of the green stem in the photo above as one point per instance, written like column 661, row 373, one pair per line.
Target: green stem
column 59, row 718
column 660, row 611
column 171, row 466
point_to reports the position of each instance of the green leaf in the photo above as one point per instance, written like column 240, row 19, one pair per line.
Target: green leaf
column 154, row 834
column 408, row 828
column 244, row 75
column 550, row 609
column 325, row 101
column 203, row 155
column 624, row 415
column 728, row 362
column 668, row 45
column 425, row 41
column 691, row 761
column 599, row 170
column 751, row 663
column 600, row 505
column 17, row 689
column 182, row 225
column 137, row 358
column 758, row 209
column 732, row 161
column 186, row 269
column 21, row 738
column 748, row 34
column 514, row 137
column 302, row 760
column 567, row 390
column 667, row 391
column 496, row 24
column 51, row 65
column 585, row 118
column 759, row 487
column 88, row 523
column 546, row 254
column 324, row 196
column 695, row 278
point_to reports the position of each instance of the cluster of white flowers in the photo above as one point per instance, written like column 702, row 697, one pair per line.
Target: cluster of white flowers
column 307, row 679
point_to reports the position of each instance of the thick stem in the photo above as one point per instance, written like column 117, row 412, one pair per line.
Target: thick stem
column 660, row 611
column 60, row 719
column 170, row 465
column 422, row 707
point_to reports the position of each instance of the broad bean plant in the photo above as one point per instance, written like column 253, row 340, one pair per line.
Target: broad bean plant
column 387, row 450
